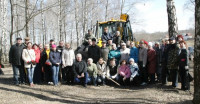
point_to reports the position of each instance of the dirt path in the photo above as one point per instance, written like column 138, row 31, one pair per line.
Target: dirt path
column 46, row 94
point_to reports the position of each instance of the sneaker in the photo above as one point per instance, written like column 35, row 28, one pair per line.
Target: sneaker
column 143, row 84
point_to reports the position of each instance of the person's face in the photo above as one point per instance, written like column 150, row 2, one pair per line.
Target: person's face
column 19, row 41
column 35, row 47
column 113, row 47
column 156, row 45
column 89, row 32
column 123, row 63
column 123, row 46
column 40, row 46
column 93, row 42
column 52, row 42
column 54, row 49
column 172, row 41
column 89, row 42
column 112, row 63
column 61, row 43
column 101, row 61
column 141, row 45
column 29, row 45
column 89, row 62
column 132, row 44
column 131, row 62
column 167, row 42
column 163, row 42
column 46, row 47
column 106, row 30
column 78, row 58
column 180, row 39
column 104, row 45
column 67, row 46
column 109, row 42
column 128, row 42
column 182, row 45
column 26, row 41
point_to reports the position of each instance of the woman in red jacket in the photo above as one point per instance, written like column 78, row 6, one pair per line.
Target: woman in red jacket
column 38, row 69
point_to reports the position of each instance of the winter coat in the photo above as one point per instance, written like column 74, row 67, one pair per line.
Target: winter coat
column 37, row 55
column 116, row 40
column 151, row 57
column 183, row 58
column 165, row 54
column 101, row 68
column 143, row 55
column 106, row 37
column 134, row 70
column 112, row 71
column 94, row 53
column 28, row 56
column 125, row 54
column 60, row 49
column 68, row 57
column 15, row 54
column 114, row 54
column 134, row 54
column 158, row 56
column 124, row 71
column 92, row 70
column 83, row 50
column 44, row 57
column 172, row 61
column 55, row 57
column 104, row 53
column 79, row 68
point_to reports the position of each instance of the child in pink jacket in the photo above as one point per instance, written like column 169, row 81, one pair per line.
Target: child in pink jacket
column 124, row 73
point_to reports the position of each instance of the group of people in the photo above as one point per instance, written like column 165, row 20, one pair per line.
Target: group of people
column 124, row 63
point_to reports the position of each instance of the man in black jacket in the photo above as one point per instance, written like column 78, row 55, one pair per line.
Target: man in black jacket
column 94, row 51
column 15, row 58
column 80, row 70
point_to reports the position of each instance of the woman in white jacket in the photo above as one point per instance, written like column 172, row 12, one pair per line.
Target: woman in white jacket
column 28, row 55
column 68, row 58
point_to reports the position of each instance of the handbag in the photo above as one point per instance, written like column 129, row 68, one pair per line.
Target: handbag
column 48, row 62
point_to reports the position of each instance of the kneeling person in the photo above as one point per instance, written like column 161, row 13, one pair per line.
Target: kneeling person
column 80, row 70
column 92, row 71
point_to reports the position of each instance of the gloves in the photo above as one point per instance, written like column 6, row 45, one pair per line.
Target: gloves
column 112, row 77
column 143, row 66
column 33, row 62
column 28, row 62
column 186, row 67
column 131, row 79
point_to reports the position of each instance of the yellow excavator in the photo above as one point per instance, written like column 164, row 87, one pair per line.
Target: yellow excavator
column 123, row 25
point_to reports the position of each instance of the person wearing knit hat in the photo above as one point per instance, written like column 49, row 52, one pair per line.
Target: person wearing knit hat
column 55, row 59
column 134, row 72
column 151, row 60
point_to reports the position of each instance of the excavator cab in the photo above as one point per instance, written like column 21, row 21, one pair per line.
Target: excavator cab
column 123, row 25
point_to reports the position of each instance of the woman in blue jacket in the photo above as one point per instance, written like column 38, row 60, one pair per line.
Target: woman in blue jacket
column 134, row 52
column 55, row 60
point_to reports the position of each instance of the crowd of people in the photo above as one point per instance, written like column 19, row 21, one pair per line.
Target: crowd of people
column 126, row 63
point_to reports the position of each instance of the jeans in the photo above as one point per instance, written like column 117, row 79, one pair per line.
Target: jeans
column 55, row 72
column 101, row 79
column 30, row 74
column 174, row 76
column 92, row 79
column 83, row 80
column 18, row 70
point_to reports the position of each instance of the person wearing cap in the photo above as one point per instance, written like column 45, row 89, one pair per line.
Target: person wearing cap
column 134, row 79
column 158, row 61
column 106, row 35
column 134, row 52
column 151, row 60
column 46, row 64
column 142, row 61
column 27, row 39
column 117, row 38
column 92, row 72
column 68, row 57
column 29, row 56
column 172, row 61
column 94, row 51
column 104, row 51
column 125, row 52
column 55, row 59
column 15, row 59
column 114, row 53
column 88, row 36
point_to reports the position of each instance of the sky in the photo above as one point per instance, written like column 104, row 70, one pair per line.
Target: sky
column 153, row 16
